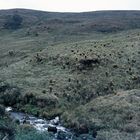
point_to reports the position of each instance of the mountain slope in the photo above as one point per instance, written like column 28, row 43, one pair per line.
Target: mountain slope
column 82, row 67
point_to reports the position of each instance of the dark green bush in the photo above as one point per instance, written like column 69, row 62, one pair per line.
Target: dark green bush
column 9, row 95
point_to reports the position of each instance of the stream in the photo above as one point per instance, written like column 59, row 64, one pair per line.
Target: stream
column 42, row 125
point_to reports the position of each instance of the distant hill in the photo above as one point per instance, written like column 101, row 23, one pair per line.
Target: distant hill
column 100, row 21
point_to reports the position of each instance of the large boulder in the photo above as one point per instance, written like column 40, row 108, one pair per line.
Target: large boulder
column 52, row 129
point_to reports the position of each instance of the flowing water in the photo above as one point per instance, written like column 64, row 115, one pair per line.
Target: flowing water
column 42, row 125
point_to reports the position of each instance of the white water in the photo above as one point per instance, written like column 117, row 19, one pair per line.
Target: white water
column 39, row 124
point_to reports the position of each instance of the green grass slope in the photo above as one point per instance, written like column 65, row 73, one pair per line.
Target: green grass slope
column 83, row 67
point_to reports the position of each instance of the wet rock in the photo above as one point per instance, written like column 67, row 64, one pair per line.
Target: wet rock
column 55, row 121
column 52, row 129
column 17, row 121
column 26, row 122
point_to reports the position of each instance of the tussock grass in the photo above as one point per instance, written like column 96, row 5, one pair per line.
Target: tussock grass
column 90, row 78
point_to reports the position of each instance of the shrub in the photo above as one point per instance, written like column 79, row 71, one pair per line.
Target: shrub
column 87, row 63
column 9, row 95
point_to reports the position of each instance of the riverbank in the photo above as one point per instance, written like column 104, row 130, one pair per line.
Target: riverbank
column 40, row 124
column 51, row 128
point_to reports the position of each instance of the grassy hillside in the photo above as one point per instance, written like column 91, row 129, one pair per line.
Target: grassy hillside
column 100, row 21
column 83, row 67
